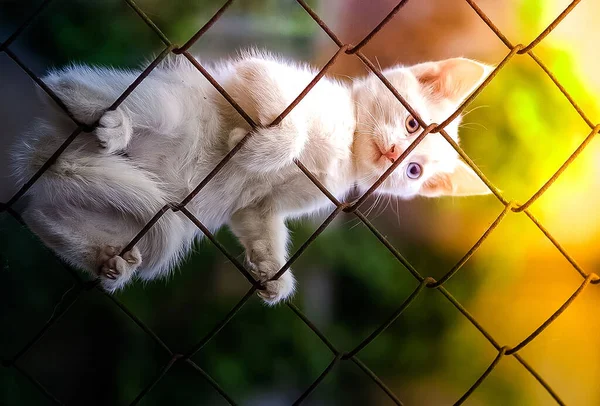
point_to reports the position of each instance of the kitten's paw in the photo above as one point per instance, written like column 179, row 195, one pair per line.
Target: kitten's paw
column 264, row 266
column 114, row 131
column 115, row 271
column 277, row 290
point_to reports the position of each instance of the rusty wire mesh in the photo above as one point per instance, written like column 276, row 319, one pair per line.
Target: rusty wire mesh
column 350, row 207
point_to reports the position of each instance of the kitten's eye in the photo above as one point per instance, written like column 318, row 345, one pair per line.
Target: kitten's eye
column 412, row 125
column 414, row 170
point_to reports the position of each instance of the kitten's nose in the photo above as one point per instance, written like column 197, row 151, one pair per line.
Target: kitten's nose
column 393, row 153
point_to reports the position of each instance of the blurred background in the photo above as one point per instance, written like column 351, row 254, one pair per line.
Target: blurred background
column 519, row 131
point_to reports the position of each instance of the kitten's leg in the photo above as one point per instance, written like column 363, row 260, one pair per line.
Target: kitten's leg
column 270, row 149
column 258, row 90
column 88, row 104
column 264, row 236
column 89, row 240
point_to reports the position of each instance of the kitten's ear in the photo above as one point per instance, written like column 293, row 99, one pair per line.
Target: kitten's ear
column 453, row 79
column 462, row 182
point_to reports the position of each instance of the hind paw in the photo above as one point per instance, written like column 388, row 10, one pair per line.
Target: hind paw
column 114, row 131
column 115, row 270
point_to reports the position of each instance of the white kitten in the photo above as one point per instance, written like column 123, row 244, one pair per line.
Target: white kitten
column 175, row 127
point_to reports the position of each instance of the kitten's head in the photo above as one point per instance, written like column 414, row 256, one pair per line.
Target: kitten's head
column 385, row 129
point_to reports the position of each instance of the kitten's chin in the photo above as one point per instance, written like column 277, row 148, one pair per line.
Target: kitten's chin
column 367, row 175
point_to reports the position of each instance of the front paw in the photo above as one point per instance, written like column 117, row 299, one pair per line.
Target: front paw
column 279, row 289
column 274, row 290
column 114, row 131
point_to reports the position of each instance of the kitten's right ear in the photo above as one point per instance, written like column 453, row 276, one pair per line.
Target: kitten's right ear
column 452, row 79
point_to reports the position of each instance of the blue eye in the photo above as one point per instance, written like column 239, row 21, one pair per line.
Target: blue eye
column 411, row 124
column 414, row 170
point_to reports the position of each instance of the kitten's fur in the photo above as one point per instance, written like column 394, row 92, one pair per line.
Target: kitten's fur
column 175, row 127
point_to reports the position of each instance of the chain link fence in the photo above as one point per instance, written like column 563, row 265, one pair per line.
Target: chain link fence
column 354, row 207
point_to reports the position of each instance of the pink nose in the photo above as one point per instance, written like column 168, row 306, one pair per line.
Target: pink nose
column 393, row 153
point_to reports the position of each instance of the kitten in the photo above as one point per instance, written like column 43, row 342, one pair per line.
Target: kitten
column 175, row 127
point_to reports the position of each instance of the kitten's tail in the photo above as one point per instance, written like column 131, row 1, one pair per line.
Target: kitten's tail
column 94, row 181
column 108, row 181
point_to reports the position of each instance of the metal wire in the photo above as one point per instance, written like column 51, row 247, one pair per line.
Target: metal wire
column 80, row 288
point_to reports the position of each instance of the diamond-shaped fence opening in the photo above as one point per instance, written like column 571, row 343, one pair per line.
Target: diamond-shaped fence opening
column 70, row 297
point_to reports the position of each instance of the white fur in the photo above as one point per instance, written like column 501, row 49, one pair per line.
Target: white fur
column 175, row 127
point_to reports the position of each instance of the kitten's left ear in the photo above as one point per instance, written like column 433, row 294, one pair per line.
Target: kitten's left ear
column 453, row 79
column 463, row 181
